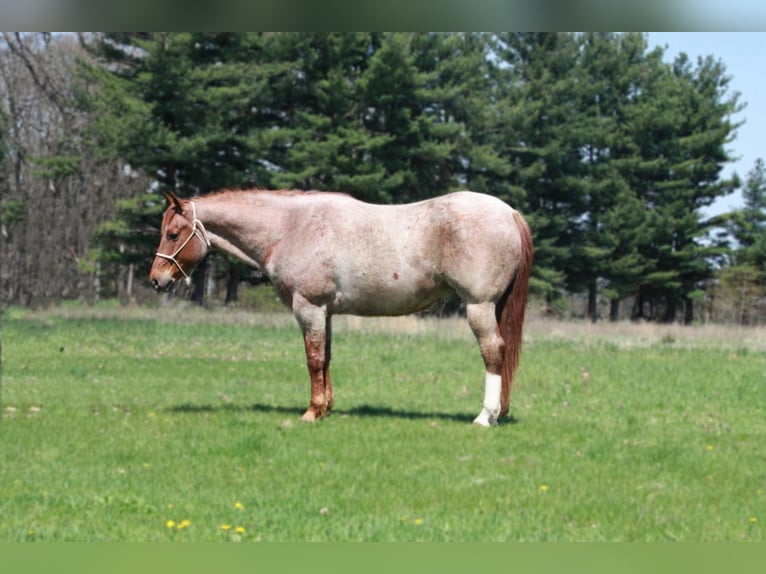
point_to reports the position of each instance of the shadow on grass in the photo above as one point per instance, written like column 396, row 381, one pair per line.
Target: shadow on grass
column 360, row 411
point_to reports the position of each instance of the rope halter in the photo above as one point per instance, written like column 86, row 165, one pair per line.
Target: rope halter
column 198, row 231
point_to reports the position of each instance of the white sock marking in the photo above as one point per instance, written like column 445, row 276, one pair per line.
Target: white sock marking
column 491, row 406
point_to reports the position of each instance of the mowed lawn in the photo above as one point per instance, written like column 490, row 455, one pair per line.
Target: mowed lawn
column 140, row 428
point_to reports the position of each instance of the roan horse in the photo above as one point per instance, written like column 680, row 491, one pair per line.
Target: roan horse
column 327, row 253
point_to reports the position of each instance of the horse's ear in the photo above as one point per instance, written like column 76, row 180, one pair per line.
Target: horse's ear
column 173, row 201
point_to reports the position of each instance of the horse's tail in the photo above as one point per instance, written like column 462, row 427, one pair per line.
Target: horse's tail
column 510, row 312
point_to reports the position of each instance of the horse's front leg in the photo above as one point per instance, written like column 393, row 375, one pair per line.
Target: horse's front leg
column 326, row 370
column 315, row 324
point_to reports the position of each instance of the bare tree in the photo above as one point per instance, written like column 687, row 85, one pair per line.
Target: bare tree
column 55, row 190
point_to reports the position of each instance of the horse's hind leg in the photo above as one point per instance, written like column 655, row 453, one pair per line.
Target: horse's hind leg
column 315, row 324
column 481, row 318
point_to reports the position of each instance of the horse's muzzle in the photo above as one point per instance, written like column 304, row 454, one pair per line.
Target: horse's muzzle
column 162, row 282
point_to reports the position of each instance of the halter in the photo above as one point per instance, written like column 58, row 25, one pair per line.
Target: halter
column 198, row 231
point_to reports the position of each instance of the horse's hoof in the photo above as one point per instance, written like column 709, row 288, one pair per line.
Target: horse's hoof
column 309, row 416
column 312, row 415
column 484, row 420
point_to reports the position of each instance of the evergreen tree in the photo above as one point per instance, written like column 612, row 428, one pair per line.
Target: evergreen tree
column 570, row 149
column 387, row 117
column 127, row 242
column 682, row 131
column 747, row 226
column 465, row 109
column 608, row 75
column 741, row 283
column 423, row 92
column 321, row 141
column 186, row 109
column 539, row 78
column 597, row 129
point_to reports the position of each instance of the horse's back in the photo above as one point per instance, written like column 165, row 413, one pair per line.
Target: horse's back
column 460, row 212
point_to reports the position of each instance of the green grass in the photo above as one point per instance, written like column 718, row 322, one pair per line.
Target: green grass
column 111, row 427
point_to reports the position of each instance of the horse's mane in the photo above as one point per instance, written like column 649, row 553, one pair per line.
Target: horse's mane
column 256, row 191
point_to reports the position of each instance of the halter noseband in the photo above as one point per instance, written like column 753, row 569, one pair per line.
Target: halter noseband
column 198, row 231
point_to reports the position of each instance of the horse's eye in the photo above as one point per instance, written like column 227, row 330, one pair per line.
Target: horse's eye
column 173, row 236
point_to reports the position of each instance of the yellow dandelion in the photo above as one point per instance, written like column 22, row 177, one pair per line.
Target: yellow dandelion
column 184, row 524
column 239, row 530
column 710, row 448
column 752, row 520
column 544, row 488
column 225, row 527
column 239, row 506
column 418, row 521
column 170, row 523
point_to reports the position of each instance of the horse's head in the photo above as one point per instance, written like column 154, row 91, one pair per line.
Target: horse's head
column 179, row 252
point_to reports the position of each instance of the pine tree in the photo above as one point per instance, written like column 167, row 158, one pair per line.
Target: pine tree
column 682, row 131
column 740, row 284
column 320, row 141
column 608, row 71
column 747, row 226
column 186, row 109
column 539, row 78
column 465, row 109
column 408, row 94
column 597, row 130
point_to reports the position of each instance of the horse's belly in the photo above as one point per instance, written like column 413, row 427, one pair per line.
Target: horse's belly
column 394, row 295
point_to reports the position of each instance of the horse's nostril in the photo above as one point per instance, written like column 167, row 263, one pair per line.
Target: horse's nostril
column 162, row 283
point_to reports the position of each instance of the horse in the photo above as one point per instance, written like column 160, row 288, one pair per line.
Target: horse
column 327, row 253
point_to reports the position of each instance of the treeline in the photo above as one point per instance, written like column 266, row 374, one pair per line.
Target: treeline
column 610, row 152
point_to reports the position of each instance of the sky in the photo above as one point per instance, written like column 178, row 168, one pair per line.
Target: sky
column 742, row 54
column 730, row 15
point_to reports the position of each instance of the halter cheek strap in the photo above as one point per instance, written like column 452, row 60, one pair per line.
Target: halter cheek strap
column 198, row 231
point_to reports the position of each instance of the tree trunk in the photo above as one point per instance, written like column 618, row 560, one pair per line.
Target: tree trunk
column 592, row 301
column 643, row 307
column 129, row 286
column 688, row 311
column 614, row 310
column 635, row 312
column 232, row 285
column 671, row 308
column 199, row 282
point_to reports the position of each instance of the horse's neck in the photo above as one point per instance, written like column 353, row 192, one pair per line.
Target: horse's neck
column 245, row 229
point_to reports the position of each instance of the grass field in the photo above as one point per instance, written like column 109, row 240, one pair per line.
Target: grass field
column 154, row 425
